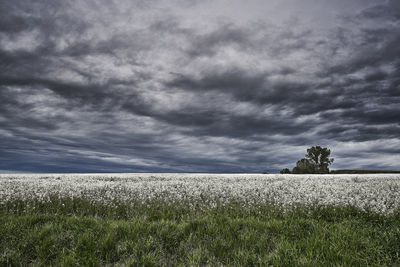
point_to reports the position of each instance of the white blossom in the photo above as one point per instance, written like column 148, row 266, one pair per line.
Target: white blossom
column 376, row 192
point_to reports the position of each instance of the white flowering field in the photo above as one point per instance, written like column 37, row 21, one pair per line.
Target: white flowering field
column 375, row 192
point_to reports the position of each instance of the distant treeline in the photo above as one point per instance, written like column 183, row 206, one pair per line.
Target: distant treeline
column 317, row 160
column 361, row 171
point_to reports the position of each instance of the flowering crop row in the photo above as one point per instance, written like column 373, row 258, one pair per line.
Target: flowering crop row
column 376, row 192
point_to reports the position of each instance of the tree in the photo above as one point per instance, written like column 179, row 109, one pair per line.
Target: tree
column 319, row 157
column 304, row 166
column 317, row 160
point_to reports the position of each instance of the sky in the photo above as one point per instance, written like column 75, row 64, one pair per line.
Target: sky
column 225, row 86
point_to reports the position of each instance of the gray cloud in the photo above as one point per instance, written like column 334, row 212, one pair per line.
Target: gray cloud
column 197, row 86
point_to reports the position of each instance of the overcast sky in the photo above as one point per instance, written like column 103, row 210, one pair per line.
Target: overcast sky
column 198, row 85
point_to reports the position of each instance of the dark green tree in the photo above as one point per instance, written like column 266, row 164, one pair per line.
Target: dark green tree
column 319, row 157
column 317, row 160
column 304, row 166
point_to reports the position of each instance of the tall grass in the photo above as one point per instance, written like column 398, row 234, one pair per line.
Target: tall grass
column 80, row 232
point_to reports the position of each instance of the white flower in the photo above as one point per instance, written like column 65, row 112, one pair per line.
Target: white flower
column 378, row 192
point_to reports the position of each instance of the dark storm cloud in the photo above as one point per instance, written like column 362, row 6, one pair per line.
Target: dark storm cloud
column 258, row 89
column 388, row 10
column 208, row 44
column 196, row 86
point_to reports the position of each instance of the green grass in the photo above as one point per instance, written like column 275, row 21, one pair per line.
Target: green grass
column 76, row 232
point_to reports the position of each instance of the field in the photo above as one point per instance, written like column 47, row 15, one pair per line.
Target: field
column 200, row 219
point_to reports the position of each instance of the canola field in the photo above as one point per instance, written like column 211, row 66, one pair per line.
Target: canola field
column 379, row 193
column 199, row 220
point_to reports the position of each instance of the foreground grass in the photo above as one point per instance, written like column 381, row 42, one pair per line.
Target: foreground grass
column 78, row 232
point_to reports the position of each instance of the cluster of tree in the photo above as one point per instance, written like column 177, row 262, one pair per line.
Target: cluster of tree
column 316, row 160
